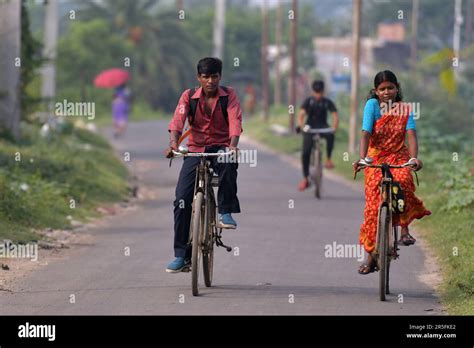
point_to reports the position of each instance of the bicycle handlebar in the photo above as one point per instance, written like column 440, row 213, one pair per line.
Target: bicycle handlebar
column 201, row 154
column 308, row 129
column 365, row 164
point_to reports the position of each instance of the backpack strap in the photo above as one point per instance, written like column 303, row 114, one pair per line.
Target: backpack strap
column 192, row 105
column 223, row 100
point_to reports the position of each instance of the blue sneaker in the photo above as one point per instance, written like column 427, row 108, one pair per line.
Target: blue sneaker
column 179, row 264
column 226, row 221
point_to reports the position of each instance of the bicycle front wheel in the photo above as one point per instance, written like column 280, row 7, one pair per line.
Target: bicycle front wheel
column 383, row 248
column 208, row 251
column 197, row 225
column 318, row 173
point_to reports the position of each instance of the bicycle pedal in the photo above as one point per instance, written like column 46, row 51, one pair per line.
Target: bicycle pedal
column 186, row 269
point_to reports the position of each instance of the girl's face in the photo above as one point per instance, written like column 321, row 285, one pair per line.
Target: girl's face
column 386, row 91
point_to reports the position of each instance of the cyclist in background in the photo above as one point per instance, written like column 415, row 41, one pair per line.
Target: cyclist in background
column 316, row 109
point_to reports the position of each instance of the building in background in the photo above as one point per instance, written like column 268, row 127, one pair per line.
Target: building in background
column 333, row 56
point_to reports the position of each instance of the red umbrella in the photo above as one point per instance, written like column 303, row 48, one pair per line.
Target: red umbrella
column 111, row 78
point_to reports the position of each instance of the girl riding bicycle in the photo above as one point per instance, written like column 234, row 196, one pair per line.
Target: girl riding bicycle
column 386, row 122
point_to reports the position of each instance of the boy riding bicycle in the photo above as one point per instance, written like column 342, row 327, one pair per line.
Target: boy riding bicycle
column 215, row 120
column 316, row 108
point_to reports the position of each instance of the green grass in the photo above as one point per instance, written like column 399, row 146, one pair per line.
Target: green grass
column 444, row 230
column 36, row 191
column 449, row 232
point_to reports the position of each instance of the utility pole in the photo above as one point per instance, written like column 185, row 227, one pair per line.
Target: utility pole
column 457, row 33
column 48, row 88
column 10, row 65
column 354, row 73
column 278, row 34
column 468, row 27
column 219, row 29
column 414, row 35
column 264, row 55
column 293, row 48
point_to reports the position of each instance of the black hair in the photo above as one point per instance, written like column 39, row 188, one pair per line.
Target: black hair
column 209, row 65
column 318, row 86
column 383, row 76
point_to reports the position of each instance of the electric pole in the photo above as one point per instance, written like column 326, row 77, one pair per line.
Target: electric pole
column 354, row 74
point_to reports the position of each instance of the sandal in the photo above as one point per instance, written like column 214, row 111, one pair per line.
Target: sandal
column 367, row 268
column 407, row 239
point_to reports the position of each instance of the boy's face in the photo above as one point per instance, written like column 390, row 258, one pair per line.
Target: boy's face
column 209, row 82
column 318, row 95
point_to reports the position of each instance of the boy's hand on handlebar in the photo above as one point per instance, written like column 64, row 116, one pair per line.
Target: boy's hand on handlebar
column 169, row 151
column 233, row 149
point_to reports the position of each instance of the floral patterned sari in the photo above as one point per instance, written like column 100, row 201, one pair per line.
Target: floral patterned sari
column 387, row 144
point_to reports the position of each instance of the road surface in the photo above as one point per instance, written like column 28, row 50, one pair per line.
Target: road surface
column 279, row 264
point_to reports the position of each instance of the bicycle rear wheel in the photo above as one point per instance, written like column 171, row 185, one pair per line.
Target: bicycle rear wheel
column 383, row 248
column 208, row 245
column 318, row 173
column 197, row 226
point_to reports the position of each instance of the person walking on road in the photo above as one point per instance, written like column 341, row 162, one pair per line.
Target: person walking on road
column 120, row 110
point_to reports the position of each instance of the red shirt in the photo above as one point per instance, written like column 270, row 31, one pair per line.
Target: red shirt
column 207, row 131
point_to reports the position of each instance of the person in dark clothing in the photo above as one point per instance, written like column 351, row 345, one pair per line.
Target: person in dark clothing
column 316, row 108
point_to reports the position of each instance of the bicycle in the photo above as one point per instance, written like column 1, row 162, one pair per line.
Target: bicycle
column 386, row 246
column 204, row 231
column 317, row 157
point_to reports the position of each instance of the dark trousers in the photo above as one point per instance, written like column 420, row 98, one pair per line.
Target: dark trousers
column 227, row 200
column 308, row 145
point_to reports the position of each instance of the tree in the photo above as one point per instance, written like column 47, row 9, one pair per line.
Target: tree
column 160, row 67
column 10, row 64
column 31, row 60
column 83, row 53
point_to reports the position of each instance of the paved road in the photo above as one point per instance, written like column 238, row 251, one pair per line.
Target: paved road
column 281, row 266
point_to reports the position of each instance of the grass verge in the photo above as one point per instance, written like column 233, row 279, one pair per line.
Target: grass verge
column 47, row 181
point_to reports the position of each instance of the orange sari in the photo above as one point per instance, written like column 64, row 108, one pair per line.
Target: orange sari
column 387, row 144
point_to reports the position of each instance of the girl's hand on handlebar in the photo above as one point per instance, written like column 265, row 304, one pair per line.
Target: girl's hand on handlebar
column 356, row 165
column 417, row 164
